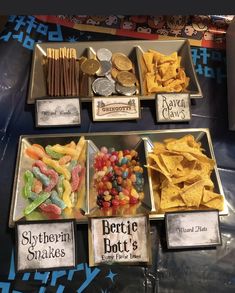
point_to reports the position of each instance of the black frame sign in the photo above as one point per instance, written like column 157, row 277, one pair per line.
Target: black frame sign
column 57, row 112
column 173, row 107
column 119, row 240
column 191, row 229
column 45, row 245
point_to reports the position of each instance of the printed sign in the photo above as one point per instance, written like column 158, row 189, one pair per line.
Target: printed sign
column 192, row 229
column 119, row 240
column 173, row 107
column 46, row 245
column 118, row 108
column 57, row 112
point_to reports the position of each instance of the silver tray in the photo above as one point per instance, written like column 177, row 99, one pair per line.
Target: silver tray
column 120, row 140
column 133, row 49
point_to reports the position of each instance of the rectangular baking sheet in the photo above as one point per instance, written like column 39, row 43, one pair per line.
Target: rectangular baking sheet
column 119, row 140
column 133, row 49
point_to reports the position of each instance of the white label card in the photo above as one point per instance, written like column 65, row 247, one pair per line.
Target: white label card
column 192, row 229
column 115, row 108
column 46, row 245
column 173, row 107
column 57, row 112
column 120, row 240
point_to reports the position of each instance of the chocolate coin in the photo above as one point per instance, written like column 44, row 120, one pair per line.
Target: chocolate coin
column 114, row 72
column 90, row 66
column 122, row 62
column 105, row 68
column 103, row 87
column 126, row 78
column 104, row 54
column 126, row 91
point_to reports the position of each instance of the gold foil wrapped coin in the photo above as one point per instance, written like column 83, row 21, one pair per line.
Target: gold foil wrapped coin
column 90, row 66
column 126, row 78
column 122, row 62
column 114, row 72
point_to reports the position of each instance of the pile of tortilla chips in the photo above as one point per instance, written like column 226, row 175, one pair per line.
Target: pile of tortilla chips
column 181, row 174
column 164, row 73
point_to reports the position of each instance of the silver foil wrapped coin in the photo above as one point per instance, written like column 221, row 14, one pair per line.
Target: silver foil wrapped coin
column 104, row 54
column 126, row 91
column 103, row 87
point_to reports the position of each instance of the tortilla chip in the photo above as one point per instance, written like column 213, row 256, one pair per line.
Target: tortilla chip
column 192, row 194
column 170, row 197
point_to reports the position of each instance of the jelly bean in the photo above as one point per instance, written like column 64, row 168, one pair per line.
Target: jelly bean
column 50, row 208
column 106, row 204
column 113, row 158
column 34, row 204
column 124, row 160
column 108, row 185
column 66, row 193
column 128, row 157
column 139, row 181
column 122, row 202
column 115, row 184
column 106, row 192
column 115, row 202
column 136, row 168
column 37, row 186
column 114, row 191
column 40, row 176
column 104, row 150
column 121, row 195
column 134, row 193
column 119, row 180
column 28, row 178
column 126, row 152
column 119, row 188
column 57, row 201
column 133, row 153
column 125, row 174
column 133, row 178
column 55, row 165
column 125, row 191
column 111, row 150
column 65, row 160
column 120, row 154
column 52, row 154
column 75, row 177
column 107, row 197
column 133, row 200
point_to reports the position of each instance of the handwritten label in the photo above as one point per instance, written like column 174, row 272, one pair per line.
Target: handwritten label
column 118, row 108
column 45, row 245
column 57, row 112
column 173, row 107
column 192, row 229
column 118, row 239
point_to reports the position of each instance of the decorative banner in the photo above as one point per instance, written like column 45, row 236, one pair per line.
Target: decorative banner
column 173, row 107
column 118, row 108
column 192, row 229
column 57, row 112
column 119, row 240
column 45, row 245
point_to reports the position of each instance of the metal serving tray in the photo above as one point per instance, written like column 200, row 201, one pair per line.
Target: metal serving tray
column 133, row 49
column 120, row 140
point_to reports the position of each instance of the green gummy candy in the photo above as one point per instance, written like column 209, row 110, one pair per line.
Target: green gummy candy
column 39, row 200
column 52, row 153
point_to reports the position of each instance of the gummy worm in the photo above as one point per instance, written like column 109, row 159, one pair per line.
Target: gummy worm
column 36, row 152
column 27, row 189
column 57, row 201
column 59, row 185
column 66, row 194
column 55, row 165
column 50, row 208
column 65, row 159
column 37, row 186
column 40, row 176
column 72, row 164
column 34, row 204
column 75, row 177
column 64, row 150
column 52, row 154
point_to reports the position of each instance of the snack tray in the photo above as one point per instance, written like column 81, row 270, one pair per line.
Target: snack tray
column 139, row 140
column 133, row 49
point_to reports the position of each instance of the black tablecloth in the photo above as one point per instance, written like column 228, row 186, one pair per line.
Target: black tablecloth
column 195, row 270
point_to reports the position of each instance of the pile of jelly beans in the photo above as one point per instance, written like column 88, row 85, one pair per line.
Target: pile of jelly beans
column 118, row 177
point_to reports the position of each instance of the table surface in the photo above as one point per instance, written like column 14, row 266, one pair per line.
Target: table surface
column 191, row 270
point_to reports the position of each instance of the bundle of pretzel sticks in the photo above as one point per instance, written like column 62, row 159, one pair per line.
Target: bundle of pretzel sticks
column 62, row 72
